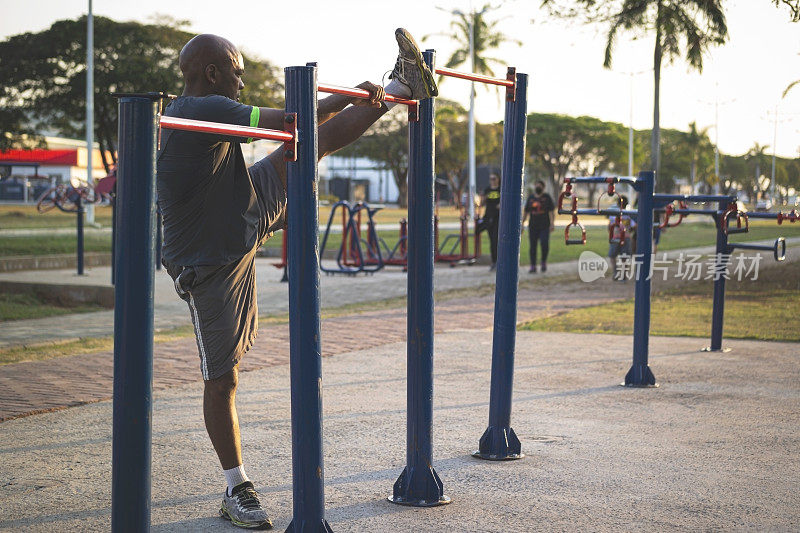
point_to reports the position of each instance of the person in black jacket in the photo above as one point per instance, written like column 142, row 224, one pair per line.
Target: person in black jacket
column 541, row 210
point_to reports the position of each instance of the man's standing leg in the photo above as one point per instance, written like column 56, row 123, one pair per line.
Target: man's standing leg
column 222, row 421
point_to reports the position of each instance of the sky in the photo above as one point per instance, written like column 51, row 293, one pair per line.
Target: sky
column 353, row 41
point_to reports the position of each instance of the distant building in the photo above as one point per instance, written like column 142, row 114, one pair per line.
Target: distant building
column 357, row 179
column 24, row 174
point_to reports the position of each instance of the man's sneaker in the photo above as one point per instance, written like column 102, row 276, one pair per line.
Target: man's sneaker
column 411, row 70
column 244, row 509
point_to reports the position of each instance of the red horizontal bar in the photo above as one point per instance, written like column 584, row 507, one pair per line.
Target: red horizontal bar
column 361, row 93
column 474, row 77
column 175, row 123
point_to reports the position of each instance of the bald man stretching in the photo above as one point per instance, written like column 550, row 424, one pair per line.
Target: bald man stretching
column 217, row 213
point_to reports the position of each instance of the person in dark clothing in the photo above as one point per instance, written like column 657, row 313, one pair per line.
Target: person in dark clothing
column 218, row 212
column 541, row 210
column 491, row 214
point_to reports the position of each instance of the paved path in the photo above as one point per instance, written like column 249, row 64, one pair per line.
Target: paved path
column 36, row 386
column 171, row 311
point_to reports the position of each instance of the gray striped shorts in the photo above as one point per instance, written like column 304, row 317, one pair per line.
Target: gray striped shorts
column 222, row 298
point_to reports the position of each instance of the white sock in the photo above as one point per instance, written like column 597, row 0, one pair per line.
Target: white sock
column 235, row 476
column 396, row 88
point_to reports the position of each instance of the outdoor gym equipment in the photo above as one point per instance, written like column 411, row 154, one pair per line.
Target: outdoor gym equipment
column 355, row 253
column 418, row 484
column 723, row 251
column 458, row 251
column 639, row 374
column 727, row 212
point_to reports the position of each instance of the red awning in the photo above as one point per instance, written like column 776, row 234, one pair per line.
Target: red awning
column 43, row 157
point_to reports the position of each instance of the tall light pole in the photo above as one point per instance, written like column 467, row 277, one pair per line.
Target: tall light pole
column 716, row 140
column 716, row 132
column 89, row 107
column 470, row 18
column 774, row 143
column 630, row 119
column 471, row 155
column 630, row 132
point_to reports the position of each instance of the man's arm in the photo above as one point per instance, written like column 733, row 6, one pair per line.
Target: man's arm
column 327, row 108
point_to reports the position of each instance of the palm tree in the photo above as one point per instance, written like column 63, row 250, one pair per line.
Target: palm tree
column 475, row 35
column 794, row 8
column 486, row 36
column 696, row 140
column 698, row 23
column 757, row 155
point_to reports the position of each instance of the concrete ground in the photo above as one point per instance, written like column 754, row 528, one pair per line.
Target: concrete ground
column 715, row 447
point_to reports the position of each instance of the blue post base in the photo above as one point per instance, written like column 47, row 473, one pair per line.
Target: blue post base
column 720, row 350
column 306, row 527
column 640, row 376
column 499, row 444
column 421, row 488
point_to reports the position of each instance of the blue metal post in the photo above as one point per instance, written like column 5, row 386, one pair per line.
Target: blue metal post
column 305, row 358
column 640, row 374
column 79, row 214
column 159, row 237
column 133, row 315
column 113, row 234
column 418, row 484
column 499, row 442
column 718, row 312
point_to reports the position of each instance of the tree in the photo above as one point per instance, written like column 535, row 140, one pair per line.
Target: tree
column 387, row 142
column 698, row 23
column 758, row 160
column 483, row 35
column 486, row 37
column 451, row 145
column 583, row 145
column 699, row 146
column 44, row 77
column 794, row 8
column 733, row 170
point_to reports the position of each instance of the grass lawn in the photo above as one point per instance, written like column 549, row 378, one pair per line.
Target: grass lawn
column 764, row 309
column 684, row 236
column 27, row 217
column 23, row 306
column 52, row 244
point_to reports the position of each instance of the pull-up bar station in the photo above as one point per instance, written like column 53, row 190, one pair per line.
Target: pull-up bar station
column 729, row 221
column 418, row 484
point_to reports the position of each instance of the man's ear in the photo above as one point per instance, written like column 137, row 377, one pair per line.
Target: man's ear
column 211, row 73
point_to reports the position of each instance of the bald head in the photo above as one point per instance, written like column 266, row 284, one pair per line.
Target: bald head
column 211, row 65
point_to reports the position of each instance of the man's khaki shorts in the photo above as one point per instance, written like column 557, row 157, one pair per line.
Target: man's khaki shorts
column 222, row 298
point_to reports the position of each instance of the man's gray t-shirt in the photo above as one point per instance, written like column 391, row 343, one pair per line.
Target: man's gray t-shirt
column 205, row 193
